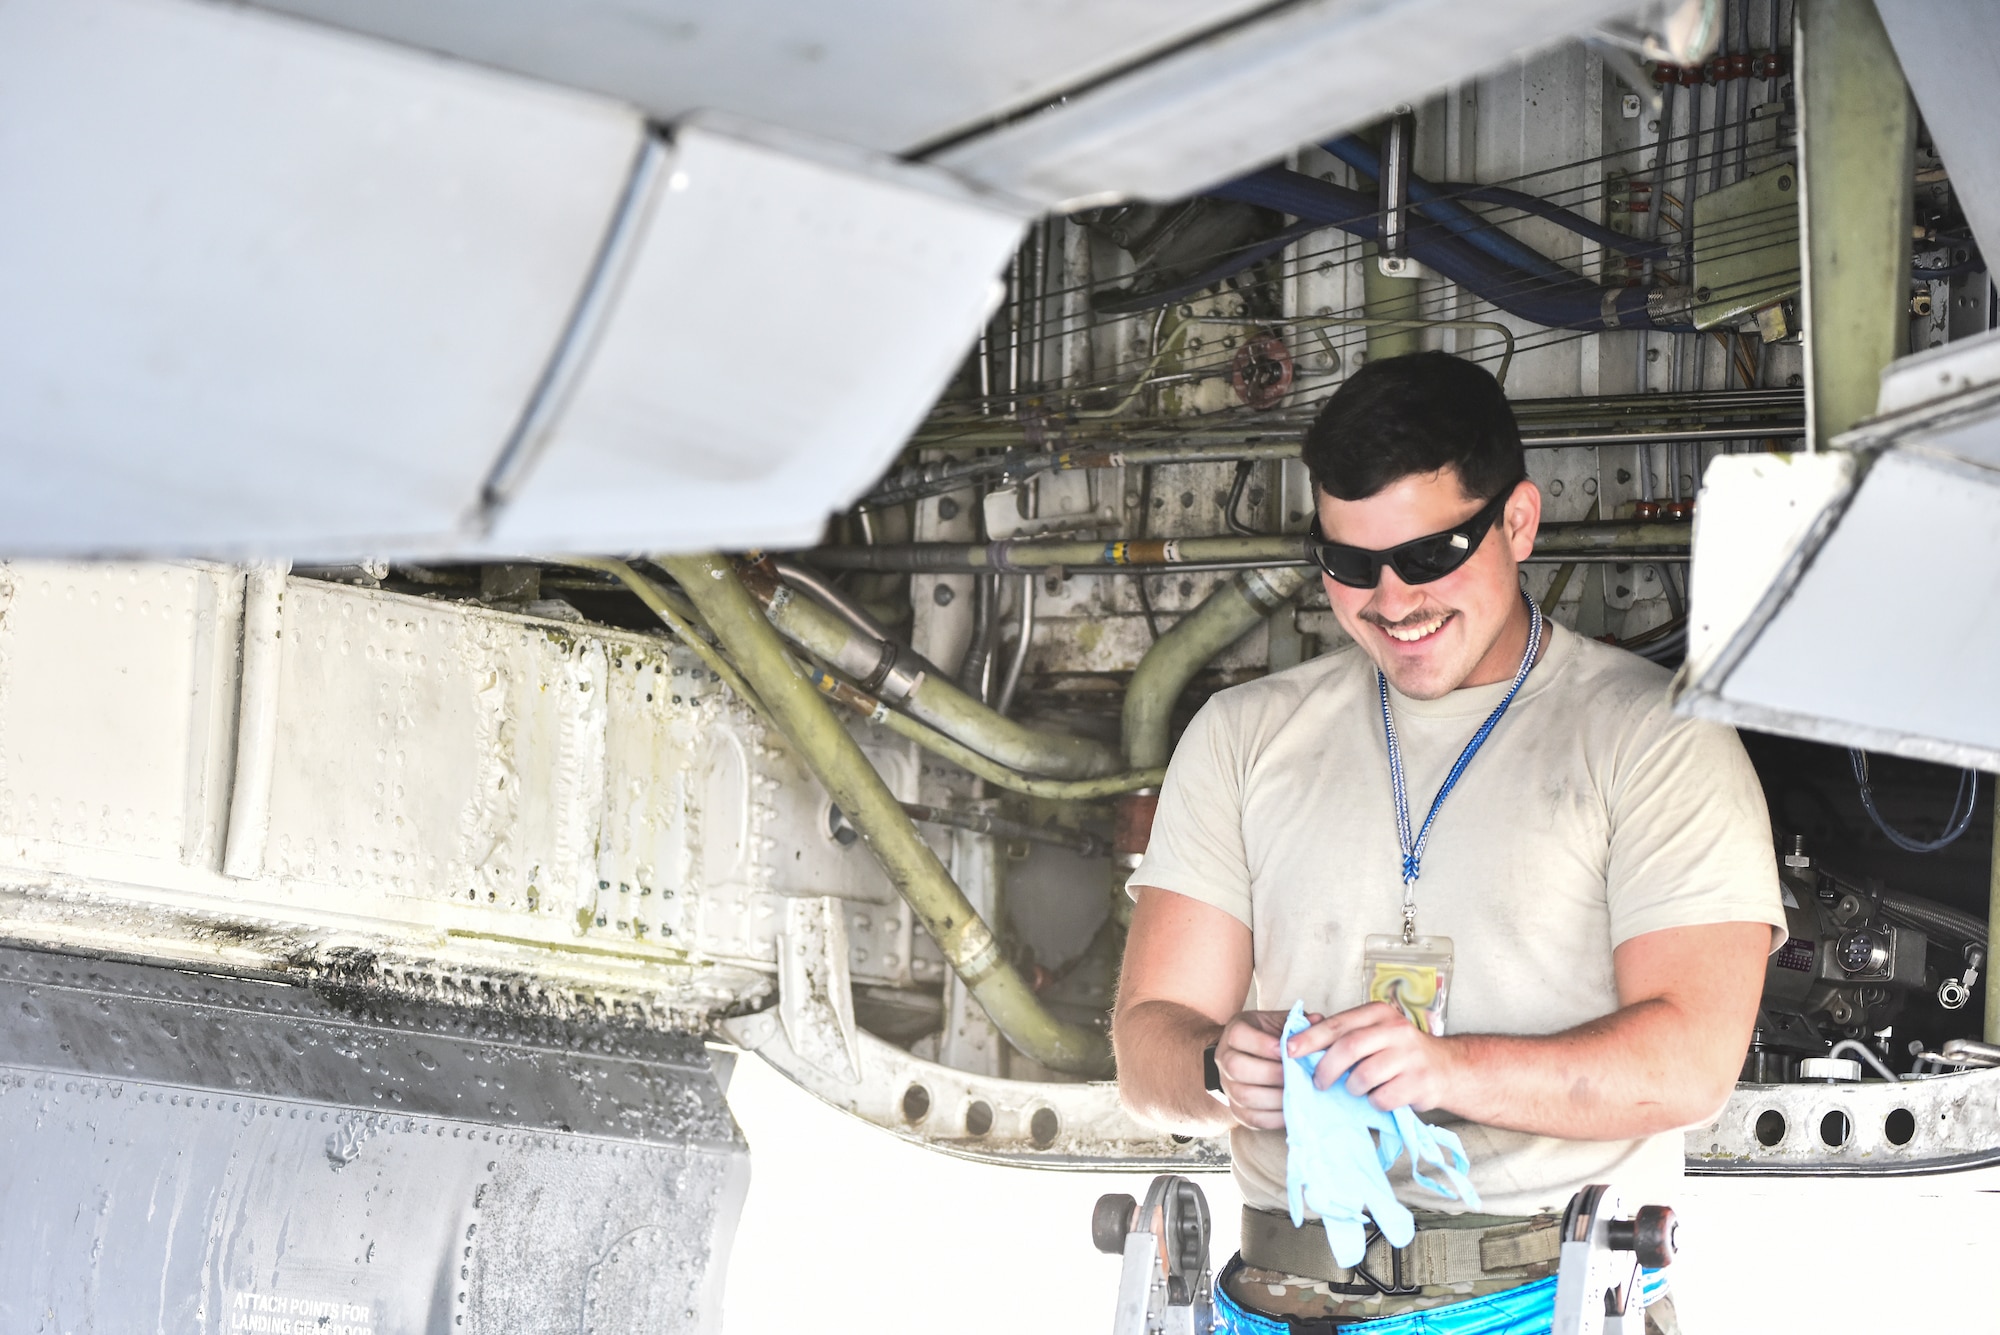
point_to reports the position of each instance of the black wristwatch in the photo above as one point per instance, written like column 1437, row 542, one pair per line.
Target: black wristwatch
column 1211, row 1074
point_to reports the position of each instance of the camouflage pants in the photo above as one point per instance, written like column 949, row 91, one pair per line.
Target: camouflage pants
column 1316, row 1306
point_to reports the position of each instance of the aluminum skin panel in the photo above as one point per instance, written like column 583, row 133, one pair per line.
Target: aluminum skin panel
column 271, row 288
column 1253, row 94
column 788, row 314
column 883, row 74
column 196, row 1154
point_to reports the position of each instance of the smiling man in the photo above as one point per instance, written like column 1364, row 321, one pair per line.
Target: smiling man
column 1515, row 892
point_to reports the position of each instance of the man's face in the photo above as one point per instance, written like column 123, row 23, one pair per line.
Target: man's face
column 1467, row 629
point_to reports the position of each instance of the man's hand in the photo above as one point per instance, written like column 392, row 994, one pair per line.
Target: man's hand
column 1387, row 1060
column 1252, row 1075
column 1666, row 1058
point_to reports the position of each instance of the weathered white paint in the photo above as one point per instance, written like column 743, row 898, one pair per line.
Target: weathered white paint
column 1788, row 548
column 448, row 788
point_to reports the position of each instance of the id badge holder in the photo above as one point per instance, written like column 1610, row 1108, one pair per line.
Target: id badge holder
column 1414, row 976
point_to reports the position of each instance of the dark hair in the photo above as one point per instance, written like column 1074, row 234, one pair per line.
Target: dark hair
column 1415, row 414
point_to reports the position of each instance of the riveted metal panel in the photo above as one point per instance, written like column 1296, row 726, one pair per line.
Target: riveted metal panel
column 448, row 792
column 197, row 1154
column 98, row 752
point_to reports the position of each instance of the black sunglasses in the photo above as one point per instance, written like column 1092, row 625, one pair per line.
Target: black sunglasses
column 1418, row 561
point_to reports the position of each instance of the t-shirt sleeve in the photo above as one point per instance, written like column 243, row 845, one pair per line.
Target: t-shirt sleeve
column 1196, row 848
column 1690, row 837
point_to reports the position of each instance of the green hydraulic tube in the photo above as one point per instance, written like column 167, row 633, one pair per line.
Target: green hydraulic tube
column 678, row 617
column 969, row 760
column 1224, row 617
column 837, row 760
column 926, row 696
column 1392, row 300
column 1616, row 541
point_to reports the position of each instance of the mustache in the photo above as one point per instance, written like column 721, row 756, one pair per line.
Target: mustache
column 1414, row 619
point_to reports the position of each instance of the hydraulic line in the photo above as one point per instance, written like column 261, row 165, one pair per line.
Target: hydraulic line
column 1268, row 440
column 882, row 667
column 824, row 592
column 1660, row 412
column 1024, row 633
column 1521, row 200
column 1866, row 1054
column 982, row 822
column 969, row 760
column 1933, row 918
column 979, row 649
column 837, row 761
column 1223, row 618
column 679, row 616
column 1576, row 304
column 1392, row 304
column 1449, row 214
column 1439, row 201
column 1615, row 540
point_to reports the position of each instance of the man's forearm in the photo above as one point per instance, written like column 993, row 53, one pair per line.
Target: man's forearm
column 1159, row 1046
column 1632, row 1073
column 1667, row 1058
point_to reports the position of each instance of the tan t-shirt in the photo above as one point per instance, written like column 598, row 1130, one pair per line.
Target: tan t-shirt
column 1590, row 816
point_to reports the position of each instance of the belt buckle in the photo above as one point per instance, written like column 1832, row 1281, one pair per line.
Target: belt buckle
column 1398, row 1286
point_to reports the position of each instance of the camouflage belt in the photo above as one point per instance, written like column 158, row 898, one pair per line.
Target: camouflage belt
column 1447, row 1250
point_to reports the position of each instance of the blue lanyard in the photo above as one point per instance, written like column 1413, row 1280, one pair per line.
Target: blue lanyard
column 1413, row 847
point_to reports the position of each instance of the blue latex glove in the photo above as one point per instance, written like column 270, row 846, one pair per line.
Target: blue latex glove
column 1339, row 1147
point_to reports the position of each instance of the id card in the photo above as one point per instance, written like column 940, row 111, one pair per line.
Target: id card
column 1415, row 977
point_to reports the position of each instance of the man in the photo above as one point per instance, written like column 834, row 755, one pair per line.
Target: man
column 1573, row 934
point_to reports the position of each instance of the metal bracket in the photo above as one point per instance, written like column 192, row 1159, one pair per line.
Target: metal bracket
column 815, row 994
column 1398, row 142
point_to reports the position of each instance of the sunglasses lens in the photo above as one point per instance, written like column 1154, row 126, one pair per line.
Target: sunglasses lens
column 1350, row 566
column 1432, row 558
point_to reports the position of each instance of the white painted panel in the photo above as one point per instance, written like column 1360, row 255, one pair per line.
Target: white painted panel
column 117, row 696
column 1754, row 513
column 452, row 786
column 882, row 74
column 789, row 315
column 645, row 847
column 270, row 287
column 1249, row 96
column 437, row 763
column 426, row 753
column 1911, row 674
column 1939, row 373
